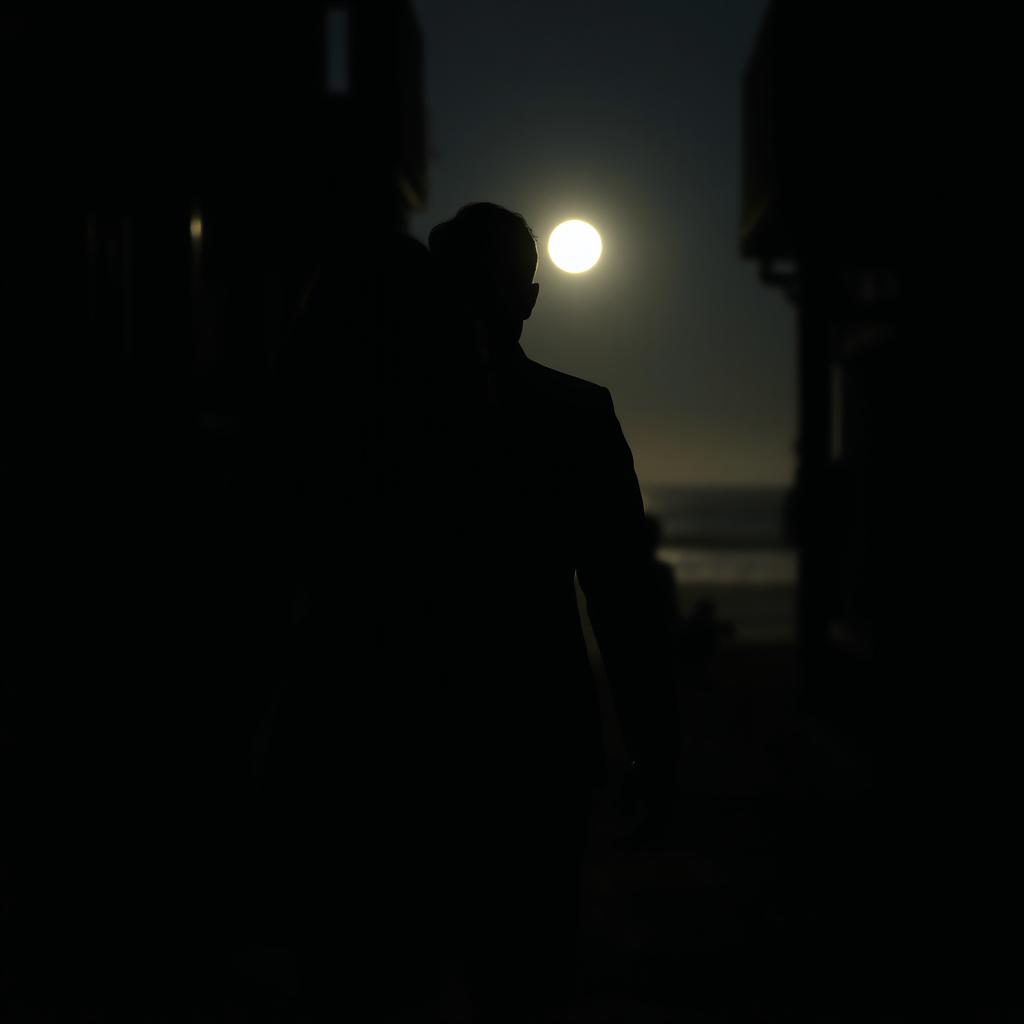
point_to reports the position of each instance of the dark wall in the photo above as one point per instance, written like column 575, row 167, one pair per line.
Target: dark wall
column 177, row 176
column 868, row 197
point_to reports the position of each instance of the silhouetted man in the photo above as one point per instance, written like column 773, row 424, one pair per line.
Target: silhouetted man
column 550, row 493
column 345, row 776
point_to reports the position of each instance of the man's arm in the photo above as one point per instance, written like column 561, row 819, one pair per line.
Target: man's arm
column 617, row 574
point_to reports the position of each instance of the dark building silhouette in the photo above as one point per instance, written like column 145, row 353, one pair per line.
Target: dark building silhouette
column 836, row 195
column 863, row 180
column 183, row 172
column 176, row 178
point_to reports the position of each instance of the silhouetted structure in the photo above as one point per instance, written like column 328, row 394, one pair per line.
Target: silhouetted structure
column 837, row 208
column 810, row 147
column 858, row 190
column 179, row 175
column 193, row 167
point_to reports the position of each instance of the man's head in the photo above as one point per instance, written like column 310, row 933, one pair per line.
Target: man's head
column 489, row 256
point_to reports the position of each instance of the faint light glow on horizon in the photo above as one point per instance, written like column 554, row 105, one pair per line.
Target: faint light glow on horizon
column 574, row 246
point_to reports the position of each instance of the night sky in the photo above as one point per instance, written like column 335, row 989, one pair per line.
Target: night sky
column 626, row 115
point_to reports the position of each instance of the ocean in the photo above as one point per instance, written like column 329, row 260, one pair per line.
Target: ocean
column 726, row 546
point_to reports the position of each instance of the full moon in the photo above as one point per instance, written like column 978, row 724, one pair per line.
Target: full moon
column 574, row 246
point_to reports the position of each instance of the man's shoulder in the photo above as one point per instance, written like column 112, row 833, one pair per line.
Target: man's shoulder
column 568, row 391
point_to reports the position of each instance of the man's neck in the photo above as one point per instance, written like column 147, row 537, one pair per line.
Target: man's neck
column 509, row 354
column 498, row 344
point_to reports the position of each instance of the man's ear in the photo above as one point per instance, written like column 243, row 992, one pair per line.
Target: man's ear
column 531, row 299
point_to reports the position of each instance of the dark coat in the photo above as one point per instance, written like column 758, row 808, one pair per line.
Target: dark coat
column 555, row 496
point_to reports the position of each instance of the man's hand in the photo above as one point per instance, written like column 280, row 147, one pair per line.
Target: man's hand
column 649, row 794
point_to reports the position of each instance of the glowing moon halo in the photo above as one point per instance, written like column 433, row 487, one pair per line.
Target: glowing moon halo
column 574, row 246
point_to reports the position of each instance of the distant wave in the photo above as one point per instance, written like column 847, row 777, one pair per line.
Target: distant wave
column 726, row 546
column 718, row 516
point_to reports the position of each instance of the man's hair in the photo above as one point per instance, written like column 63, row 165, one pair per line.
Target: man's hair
column 486, row 237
